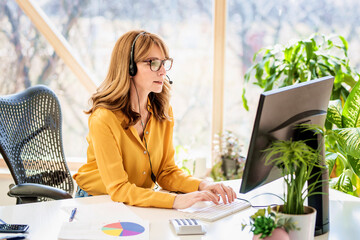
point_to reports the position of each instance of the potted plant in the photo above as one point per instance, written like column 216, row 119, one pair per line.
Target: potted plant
column 267, row 225
column 229, row 164
column 301, row 61
column 296, row 160
column 312, row 58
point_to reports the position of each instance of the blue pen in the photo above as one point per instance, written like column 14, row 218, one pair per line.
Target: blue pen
column 73, row 212
column 2, row 221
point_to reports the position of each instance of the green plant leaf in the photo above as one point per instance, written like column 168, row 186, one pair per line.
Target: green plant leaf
column 349, row 140
column 338, row 77
column 288, row 53
column 351, row 112
column 334, row 113
column 355, row 164
column 341, row 164
column 346, row 45
column 244, row 99
column 243, row 226
column 270, row 83
column 309, row 50
column 349, row 80
column 331, row 160
column 343, row 182
column 259, row 72
column 350, row 176
column 259, row 213
column 357, row 186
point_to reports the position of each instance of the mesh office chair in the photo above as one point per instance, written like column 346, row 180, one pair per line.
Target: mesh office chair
column 31, row 145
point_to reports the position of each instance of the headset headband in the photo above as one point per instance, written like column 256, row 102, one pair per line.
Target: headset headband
column 132, row 66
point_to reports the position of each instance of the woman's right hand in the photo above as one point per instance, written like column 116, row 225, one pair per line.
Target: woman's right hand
column 187, row 200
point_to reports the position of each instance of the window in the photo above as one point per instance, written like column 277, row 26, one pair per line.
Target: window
column 256, row 24
column 92, row 28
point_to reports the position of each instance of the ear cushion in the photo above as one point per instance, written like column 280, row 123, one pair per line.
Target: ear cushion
column 132, row 69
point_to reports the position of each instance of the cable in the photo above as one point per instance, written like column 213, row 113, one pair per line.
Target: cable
column 261, row 206
column 153, row 177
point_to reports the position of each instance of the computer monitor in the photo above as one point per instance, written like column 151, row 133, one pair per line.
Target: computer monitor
column 279, row 113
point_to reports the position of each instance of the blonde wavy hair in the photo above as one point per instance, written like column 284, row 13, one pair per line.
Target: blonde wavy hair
column 114, row 91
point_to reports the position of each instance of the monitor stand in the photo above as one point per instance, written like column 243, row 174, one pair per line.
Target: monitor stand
column 318, row 201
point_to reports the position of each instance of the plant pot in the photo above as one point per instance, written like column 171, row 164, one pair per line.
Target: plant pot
column 232, row 167
column 228, row 167
column 277, row 234
column 306, row 223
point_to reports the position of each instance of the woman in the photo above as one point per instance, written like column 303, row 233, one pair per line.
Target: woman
column 131, row 130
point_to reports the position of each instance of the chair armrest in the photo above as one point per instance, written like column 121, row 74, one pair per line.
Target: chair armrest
column 34, row 190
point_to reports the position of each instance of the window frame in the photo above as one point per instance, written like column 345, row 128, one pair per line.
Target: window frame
column 65, row 52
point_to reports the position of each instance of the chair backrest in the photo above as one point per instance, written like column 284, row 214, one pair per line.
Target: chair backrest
column 31, row 138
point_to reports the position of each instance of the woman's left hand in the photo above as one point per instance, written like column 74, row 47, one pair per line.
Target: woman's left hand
column 227, row 193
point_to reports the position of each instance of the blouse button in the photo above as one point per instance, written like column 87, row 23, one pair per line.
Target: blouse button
column 144, row 152
column 144, row 172
column 147, row 132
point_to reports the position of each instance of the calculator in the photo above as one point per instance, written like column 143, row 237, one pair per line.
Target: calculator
column 13, row 228
column 187, row 226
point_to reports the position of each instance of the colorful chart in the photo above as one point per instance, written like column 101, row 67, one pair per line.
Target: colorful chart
column 123, row 229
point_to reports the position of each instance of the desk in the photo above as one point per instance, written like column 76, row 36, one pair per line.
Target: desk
column 45, row 218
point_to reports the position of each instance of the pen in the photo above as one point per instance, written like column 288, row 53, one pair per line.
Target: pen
column 73, row 212
column 2, row 221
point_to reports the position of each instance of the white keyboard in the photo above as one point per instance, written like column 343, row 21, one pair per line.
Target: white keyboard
column 215, row 212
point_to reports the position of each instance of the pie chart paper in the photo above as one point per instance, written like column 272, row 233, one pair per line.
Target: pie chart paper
column 123, row 229
column 103, row 221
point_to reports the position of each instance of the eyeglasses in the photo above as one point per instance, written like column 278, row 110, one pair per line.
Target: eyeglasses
column 155, row 64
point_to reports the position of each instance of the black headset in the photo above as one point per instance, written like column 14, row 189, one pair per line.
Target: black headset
column 132, row 66
column 132, row 72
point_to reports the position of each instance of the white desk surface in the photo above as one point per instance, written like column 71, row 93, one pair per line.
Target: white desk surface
column 45, row 218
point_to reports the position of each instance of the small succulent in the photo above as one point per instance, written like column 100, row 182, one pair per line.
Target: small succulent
column 264, row 221
column 264, row 226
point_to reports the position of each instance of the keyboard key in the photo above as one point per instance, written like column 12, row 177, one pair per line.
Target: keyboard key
column 215, row 212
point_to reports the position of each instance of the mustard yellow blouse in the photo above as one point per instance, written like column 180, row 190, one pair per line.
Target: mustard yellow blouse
column 118, row 164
